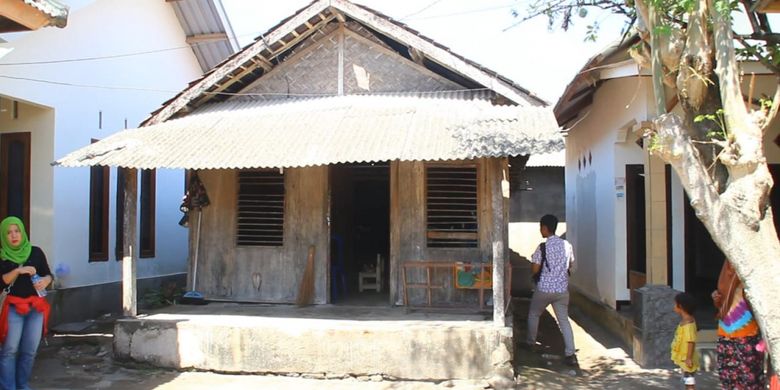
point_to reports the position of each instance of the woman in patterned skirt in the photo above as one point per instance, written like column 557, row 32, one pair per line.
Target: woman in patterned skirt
column 740, row 363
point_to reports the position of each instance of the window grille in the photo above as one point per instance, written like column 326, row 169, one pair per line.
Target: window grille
column 451, row 213
column 260, row 208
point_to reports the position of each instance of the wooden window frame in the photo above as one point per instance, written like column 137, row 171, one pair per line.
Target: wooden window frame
column 5, row 144
column 276, row 239
column 101, row 194
column 470, row 239
column 119, row 248
column 147, row 210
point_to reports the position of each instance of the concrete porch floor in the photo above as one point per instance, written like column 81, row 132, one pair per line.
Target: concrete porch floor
column 332, row 339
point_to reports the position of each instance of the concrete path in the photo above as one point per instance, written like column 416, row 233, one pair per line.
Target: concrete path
column 604, row 363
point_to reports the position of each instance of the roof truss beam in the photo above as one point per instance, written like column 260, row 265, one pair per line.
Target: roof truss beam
column 204, row 38
column 264, row 61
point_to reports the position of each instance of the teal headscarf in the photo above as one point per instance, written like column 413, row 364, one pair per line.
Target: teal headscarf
column 21, row 253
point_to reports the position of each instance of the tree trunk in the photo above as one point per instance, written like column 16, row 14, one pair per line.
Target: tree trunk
column 738, row 216
column 751, row 246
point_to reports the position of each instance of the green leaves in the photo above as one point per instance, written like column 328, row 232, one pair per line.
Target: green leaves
column 718, row 119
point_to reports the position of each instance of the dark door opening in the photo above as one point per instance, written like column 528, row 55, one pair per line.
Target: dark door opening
column 360, row 233
column 15, row 177
column 703, row 261
column 636, row 227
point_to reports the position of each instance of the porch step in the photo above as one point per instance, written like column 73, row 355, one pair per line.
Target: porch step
column 407, row 349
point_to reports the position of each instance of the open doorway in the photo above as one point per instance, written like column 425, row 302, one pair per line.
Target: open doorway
column 360, row 233
column 635, row 227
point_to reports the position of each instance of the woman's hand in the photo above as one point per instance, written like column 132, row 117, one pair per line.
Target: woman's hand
column 42, row 283
column 689, row 363
column 717, row 297
column 27, row 270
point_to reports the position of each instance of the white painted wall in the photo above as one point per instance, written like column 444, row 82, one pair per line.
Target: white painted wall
column 104, row 27
column 596, row 216
column 39, row 122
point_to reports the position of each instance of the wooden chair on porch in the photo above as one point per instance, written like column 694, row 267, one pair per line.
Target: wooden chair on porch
column 371, row 280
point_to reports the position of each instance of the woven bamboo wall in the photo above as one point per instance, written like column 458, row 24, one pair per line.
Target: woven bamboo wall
column 312, row 68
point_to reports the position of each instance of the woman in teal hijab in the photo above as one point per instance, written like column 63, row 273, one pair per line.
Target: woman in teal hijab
column 25, row 311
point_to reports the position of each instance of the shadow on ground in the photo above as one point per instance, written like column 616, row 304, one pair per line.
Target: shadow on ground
column 83, row 359
column 604, row 363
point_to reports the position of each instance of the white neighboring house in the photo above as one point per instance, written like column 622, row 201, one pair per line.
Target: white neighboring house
column 49, row 109
column 628, row 217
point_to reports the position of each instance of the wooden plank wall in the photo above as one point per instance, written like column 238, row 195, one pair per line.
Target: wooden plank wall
column 262, row 274
column 408, row 231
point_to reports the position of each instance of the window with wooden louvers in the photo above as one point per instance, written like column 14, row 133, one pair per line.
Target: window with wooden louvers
column 260, row 208
column 451, row 206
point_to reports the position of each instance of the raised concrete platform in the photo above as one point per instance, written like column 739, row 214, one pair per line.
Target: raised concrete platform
column 230, row 337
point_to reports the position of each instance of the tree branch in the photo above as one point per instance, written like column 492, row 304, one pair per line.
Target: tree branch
column 750, row 15
column 770, row 116
column 727, row 70
column 696, row 60
column 763, row 60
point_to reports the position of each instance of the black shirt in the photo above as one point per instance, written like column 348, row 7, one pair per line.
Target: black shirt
column 23, row 286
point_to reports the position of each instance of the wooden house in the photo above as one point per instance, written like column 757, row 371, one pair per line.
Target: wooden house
column 346, row 131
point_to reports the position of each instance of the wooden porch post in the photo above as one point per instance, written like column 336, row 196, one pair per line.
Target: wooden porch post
column 499, row 187
column 129, row 302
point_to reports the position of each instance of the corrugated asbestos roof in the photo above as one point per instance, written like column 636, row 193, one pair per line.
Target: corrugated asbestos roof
column 301, row 132
column 203, row 18
column 55, row 10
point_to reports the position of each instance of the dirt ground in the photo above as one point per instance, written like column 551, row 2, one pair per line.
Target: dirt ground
column 83, row 360
column 604, row 363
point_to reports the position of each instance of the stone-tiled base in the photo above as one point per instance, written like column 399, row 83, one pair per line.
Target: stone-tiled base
column 655, row 322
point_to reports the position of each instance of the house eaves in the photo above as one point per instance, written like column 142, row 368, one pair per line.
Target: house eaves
column 269, row 49
column 578, row 94
column 26, row 15
column 208, row 30
column 766, row 6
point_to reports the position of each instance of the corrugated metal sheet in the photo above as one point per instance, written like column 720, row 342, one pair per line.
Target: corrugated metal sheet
column 199, row 17
column 300, row 132
column 57, row 12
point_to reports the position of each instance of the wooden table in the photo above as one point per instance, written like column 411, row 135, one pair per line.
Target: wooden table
column 482, row 284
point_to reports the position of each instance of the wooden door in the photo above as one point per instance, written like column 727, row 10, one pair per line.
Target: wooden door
column 15, row 176
column 635, row 226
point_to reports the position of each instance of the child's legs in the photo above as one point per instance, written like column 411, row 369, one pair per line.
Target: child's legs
column 689, row 380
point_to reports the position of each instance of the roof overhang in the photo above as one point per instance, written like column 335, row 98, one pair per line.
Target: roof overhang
column 26, row 15
column 612, row 62
column 767, row 6
column 299, row 132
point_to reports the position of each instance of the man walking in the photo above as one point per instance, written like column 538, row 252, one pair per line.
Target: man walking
column 554, row 260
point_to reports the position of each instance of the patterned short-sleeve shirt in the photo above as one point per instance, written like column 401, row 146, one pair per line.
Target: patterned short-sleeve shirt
column 560, row 256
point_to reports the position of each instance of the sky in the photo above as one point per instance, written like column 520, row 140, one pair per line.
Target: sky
column 537, row 59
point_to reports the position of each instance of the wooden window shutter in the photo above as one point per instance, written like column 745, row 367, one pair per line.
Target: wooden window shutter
column 260, row 208
column 98, row 212
column 451, row 206
column 148, row 203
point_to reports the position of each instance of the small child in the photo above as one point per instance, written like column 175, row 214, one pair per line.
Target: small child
column 684, row 345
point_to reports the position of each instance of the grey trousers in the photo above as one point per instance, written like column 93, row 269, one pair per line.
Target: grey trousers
column 560, row 304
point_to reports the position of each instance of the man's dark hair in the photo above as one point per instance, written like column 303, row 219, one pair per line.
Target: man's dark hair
column 686, row 302
column 550, row 221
